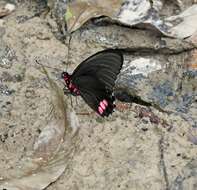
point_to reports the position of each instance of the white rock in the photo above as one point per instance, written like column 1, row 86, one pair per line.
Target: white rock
column 10, row 7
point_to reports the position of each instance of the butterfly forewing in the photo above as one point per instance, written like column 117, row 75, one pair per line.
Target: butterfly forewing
column 104, row 65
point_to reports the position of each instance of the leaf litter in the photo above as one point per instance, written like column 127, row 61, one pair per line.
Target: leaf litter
column 53, row 150
column 144, row 13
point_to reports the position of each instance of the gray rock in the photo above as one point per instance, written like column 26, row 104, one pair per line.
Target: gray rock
column 114, row 36
column 164, row 82
column 5, row 90
column 6, row 55
column 187, row 179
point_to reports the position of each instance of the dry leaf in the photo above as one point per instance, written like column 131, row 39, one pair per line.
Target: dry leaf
column 187, row 23
column 81, row 11
column 36, row 180
column 129, row 12
column 49, row 159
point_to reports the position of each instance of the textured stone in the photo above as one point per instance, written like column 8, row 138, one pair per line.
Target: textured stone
column 137, row 147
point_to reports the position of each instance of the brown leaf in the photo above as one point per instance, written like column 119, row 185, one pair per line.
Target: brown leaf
column 82, row 11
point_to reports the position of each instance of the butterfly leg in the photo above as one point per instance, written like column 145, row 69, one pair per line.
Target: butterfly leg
column 66, row 91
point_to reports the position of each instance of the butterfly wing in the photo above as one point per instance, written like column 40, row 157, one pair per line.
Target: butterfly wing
column 104, row 65
column 96, row 95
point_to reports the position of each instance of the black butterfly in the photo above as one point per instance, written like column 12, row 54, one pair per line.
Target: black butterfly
column 94, row 80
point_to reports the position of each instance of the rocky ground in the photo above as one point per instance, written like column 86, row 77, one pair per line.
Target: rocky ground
column 149, row 144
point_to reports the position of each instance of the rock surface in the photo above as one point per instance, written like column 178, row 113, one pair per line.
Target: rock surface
column 140, row 146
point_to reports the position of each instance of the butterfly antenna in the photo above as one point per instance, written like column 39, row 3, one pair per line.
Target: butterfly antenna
column 68, row 50
column 47, row 66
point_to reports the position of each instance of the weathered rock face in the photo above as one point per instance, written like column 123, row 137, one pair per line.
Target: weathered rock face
column 156, row 69
column 183, row 181
column 139, row 146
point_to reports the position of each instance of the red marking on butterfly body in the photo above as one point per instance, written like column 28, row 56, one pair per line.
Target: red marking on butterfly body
column 72, row 88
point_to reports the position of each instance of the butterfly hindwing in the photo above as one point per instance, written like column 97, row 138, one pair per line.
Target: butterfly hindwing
column 104, row 65
column 96, row 95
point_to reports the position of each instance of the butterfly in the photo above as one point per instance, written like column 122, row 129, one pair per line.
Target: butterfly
column 94, row 80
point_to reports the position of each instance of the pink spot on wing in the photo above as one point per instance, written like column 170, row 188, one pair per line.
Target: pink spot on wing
column 102, row 105
column 105, row 102
column 100, row 110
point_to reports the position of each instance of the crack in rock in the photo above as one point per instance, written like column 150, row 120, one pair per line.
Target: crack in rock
column 162, row 163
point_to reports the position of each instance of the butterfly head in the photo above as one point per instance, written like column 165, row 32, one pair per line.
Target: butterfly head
column 66, row 77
